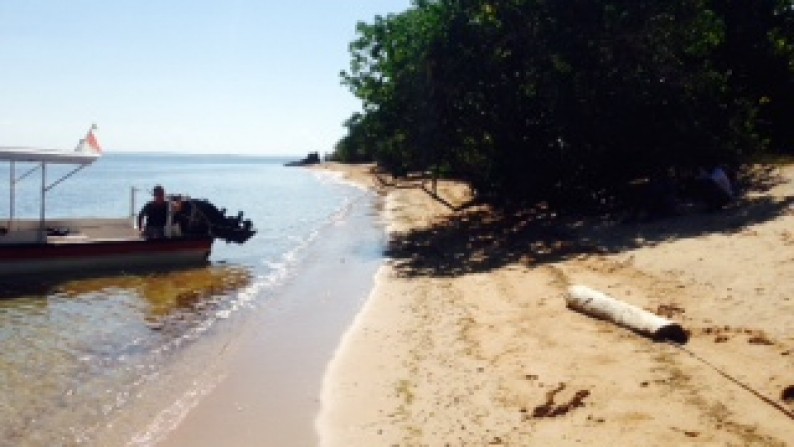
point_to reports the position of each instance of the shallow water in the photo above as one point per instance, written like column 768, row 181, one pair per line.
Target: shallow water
column 99, row 358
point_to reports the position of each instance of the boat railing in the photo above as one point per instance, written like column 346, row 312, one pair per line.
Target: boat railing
column 28, row 230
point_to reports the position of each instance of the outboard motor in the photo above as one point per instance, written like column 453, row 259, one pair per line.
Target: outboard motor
column 200, row 217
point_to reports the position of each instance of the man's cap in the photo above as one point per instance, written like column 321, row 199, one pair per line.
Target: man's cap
column 158, row 190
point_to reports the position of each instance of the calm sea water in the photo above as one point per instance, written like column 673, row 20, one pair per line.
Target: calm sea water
column 78, row 357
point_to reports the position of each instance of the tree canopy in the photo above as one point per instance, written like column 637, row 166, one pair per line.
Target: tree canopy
column 553, row 100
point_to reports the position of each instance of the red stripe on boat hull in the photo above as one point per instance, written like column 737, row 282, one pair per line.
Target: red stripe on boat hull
column 38, row 258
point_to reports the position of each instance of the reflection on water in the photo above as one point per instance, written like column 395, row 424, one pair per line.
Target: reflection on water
column 80, row 356
column 163, row 294
column 76, row 351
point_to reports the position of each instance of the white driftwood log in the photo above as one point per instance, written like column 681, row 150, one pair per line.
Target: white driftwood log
column 601, row 305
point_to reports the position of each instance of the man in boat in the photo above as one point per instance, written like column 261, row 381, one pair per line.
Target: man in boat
column 155, row 212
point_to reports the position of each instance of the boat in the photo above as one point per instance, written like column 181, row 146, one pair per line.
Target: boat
column 43, row 245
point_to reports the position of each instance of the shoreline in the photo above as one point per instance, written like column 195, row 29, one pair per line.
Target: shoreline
column 268, row 386
column 463, row 338
column 466, row 340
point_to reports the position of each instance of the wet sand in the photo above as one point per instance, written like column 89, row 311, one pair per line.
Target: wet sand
column 269, row 387
column 466, row 339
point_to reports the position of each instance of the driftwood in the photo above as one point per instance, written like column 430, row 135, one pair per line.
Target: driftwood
column 600, row 305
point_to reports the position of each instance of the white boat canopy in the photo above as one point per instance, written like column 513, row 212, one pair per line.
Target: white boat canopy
column 87, row 151
column 24, row 154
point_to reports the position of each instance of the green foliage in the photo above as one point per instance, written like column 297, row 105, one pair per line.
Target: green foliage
column 535, row 100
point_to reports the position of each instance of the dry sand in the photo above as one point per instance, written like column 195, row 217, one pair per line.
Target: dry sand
column 466, row 339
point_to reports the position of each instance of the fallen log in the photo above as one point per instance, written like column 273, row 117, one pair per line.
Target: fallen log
column 603, row 306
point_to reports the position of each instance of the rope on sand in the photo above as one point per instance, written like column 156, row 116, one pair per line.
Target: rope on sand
column 736, row 381
column 600, row 305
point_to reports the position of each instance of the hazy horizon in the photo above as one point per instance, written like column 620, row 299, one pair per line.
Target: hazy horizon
column 243, row 77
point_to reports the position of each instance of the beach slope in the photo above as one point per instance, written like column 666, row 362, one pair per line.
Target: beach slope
column 466, row 338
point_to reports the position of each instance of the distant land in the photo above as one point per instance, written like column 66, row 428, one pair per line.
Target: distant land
column 311, row 159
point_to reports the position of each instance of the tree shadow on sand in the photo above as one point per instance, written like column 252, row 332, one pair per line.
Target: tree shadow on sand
column 479, row 241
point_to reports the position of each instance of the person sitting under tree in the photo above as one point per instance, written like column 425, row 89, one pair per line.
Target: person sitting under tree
column 715, row 187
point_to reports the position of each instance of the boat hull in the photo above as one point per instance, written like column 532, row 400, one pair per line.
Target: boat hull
column 91, row 256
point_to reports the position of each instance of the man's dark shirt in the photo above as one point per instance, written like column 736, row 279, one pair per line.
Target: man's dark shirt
column 155, row 214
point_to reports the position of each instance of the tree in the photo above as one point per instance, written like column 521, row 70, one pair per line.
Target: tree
column 532, row 100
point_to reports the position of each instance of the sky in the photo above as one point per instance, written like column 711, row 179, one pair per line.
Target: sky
column 180, row 76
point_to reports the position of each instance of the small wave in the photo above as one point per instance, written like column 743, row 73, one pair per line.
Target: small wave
column 168, row 418
column 328, row 176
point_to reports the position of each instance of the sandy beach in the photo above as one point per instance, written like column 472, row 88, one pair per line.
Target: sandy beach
column 466, row 338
